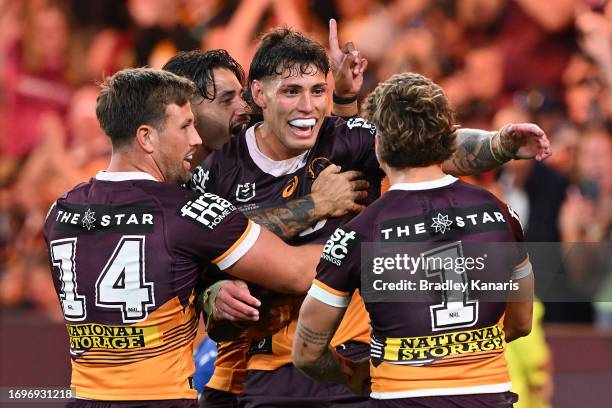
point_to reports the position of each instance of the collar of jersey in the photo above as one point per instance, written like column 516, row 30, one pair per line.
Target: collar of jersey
column 266, row 164
column 123, row 176
column 425, row 185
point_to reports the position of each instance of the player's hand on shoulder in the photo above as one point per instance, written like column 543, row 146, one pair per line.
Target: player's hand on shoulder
column 336, row 193
column 524, row 141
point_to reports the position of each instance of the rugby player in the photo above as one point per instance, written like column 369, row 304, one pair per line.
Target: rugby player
column 127, row 247
column 277, row 159
column 438, row 354
column 219, row 112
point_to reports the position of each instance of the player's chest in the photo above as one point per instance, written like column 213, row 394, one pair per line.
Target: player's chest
column 252, row 191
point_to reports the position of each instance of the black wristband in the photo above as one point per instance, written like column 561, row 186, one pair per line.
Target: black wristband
column 343, row 101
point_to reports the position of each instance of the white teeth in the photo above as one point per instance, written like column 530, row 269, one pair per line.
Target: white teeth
column 303, row 123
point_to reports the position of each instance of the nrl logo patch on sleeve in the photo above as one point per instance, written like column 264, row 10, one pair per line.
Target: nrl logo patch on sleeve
column 207, row 209
column 337, row 246
column 362, row 123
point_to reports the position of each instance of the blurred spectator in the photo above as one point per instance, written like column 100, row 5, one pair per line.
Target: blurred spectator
column 586, row 215
column 67, row 156
column 499, row 61
column 38, row 76
column 159, row 32
column 239, row 35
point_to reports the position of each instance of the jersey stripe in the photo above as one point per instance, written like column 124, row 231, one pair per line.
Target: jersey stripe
column 323, row 293
column 523, row 269
column 240, row 247
column 478, row 389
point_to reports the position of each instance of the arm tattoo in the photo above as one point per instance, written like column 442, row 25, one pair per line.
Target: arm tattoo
column 473, row 153
column 325, row 367
column 311, row 337
column 289, row 220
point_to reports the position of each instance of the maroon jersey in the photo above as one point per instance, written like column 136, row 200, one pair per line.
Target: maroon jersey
column 241, row 173
column 250, row 180
column 434, row 336
column 126, row 252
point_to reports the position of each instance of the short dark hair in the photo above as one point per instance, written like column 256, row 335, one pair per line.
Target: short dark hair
column 198, row 66
column 137, row 96
column 415, row 124
column 284, row 50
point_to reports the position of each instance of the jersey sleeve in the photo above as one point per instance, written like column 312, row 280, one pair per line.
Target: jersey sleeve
column 522, row 265
column 204, row 178
column 359, row 135
column 213, row 230
column 338, row 272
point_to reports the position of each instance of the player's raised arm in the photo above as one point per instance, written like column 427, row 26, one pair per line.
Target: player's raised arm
column 479, row 150
column 347, row 68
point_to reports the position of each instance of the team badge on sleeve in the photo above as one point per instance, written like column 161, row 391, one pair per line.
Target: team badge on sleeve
column 207, row 209
column 200, row 177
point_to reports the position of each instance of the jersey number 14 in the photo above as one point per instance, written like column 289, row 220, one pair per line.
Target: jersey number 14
column 121, row 284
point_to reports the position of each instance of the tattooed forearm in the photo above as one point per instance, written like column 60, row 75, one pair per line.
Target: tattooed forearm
column 473, row 155
column 317, row 361
column 311, row 337
column 287, row 221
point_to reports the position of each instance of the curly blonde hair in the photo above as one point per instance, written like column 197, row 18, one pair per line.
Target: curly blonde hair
column 415, row 124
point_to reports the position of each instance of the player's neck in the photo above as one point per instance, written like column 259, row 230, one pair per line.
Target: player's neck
column 126, row 162
column 271, row 147
column 414, row 174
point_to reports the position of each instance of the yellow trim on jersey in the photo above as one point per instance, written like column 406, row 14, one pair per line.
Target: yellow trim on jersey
column 239, row 248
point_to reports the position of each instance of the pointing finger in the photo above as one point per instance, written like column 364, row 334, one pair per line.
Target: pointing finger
column 334, row 46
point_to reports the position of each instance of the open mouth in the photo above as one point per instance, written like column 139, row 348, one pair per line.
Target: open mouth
column 237, row 128
column 187, row 160
column 302, row 127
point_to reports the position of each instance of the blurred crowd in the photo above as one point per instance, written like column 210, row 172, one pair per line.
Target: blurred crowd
column 499, row 61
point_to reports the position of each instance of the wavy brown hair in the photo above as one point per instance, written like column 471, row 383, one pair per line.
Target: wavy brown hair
column 415, row 124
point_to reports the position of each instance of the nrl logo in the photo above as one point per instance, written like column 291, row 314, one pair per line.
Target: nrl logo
column 245, row 192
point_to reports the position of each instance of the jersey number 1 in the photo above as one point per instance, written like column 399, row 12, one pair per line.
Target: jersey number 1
column 120, row 285
column 456, row 309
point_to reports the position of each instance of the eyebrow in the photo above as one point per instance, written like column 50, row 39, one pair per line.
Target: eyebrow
column 227, row 92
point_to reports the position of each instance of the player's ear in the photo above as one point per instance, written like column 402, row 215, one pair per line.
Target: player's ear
column 377, row 150
column 257, row 92
column 145, row 136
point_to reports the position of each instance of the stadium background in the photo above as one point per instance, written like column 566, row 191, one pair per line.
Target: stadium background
column 499, row 61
